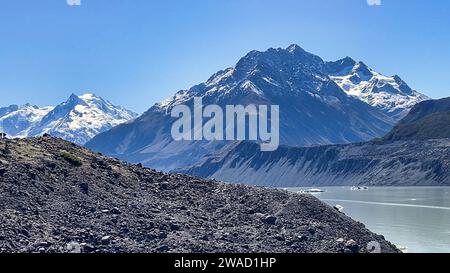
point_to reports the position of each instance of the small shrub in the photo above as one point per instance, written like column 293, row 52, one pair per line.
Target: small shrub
column 76, row 161
column 6, row 150
column 84, row 187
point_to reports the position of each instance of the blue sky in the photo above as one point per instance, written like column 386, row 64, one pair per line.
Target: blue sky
column 137, row 52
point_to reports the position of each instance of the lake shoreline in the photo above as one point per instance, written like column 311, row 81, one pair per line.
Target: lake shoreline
column 407, row 216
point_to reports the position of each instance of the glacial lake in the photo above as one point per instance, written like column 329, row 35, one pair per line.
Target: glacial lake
column 414, row 217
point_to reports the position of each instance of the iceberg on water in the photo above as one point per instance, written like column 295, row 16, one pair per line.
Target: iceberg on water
column 311, row 191
column 359, row 188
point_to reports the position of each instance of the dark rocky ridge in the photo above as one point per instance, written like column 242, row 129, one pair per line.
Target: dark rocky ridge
column 58, row 197
column 398, row 163
column 426, row 120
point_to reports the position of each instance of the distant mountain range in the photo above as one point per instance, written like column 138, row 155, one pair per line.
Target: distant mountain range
column 320, row 103
column 77, row 120
column 415, row 153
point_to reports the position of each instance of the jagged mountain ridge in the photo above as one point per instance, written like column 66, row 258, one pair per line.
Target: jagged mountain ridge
column 399, row 163
column 78, row 119
column 313, row 110
column 391, row 95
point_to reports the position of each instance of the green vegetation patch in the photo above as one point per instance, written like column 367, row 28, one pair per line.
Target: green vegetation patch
column 74, row 160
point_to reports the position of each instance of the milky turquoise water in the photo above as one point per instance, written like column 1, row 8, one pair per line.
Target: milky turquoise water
column 414, row 217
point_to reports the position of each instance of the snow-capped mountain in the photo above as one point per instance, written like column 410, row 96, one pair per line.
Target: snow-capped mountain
column 78, row 119
column 313, row 109
column 389, row 94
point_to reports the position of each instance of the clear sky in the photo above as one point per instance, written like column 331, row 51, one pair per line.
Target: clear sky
column 138, row 52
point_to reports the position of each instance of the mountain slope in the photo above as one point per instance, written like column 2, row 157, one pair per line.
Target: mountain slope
column 427, row 120
column 58, row 197
column 400, row 163
column 78, row 119
column 415, row 153
column 313, row 110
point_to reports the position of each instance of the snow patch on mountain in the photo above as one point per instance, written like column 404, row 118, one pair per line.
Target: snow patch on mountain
column 16, row 121
column 389, row 94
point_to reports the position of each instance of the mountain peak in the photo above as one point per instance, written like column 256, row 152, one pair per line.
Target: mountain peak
column 72, row 101
column 28, row 105
column 348, row 60
column 279, row 63
column 88, row 96
column 340, row 67
column 73, row 96
column 362, row 69
column 294, row 48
